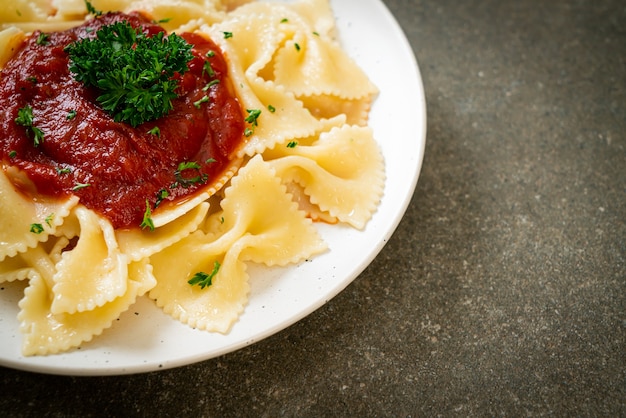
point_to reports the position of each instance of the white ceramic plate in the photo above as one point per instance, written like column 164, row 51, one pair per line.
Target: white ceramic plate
column 145, row 339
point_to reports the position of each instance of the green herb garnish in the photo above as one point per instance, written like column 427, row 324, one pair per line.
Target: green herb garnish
column 25, row 119
column 252, row 119
column 228, row 35
column 147, row 218
column 92, row 10
column 161, row 196
column 292, row 144
column 43, row 39
column 71, row 114
column 36, row 228
column 198, row 103
column 203, row 279
column 79, row 186
column 155, row 131
column 185, row 181
column 253, row 115
column 133, row 71
column 206, row 68
column 188, row 165
column 211, row 83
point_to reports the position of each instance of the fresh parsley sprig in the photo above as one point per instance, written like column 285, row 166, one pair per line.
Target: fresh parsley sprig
column 184, row 180
column 134, row 72
column 203, row 279
column 25, row 118
column 252, row 119
column 92, row 10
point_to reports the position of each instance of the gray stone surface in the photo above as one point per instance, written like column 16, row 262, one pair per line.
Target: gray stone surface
column 502, row 291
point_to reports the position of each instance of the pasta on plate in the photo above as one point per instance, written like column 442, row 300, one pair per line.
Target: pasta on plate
column 309, row 157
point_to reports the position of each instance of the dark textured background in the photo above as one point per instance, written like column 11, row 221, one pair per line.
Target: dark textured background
column 502, row 291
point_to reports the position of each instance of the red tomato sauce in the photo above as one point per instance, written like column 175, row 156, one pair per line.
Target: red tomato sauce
column 112, row 167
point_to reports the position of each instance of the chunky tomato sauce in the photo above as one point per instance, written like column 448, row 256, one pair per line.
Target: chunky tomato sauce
column 112, row 167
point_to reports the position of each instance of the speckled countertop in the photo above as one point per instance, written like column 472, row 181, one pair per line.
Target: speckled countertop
column 503, row 290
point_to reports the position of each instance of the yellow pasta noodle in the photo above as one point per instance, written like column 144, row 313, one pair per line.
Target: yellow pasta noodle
column 342, row 172
column 48, row 333
column 20, row 215
column 83, row 286
column 309, row 156
column 10, row 39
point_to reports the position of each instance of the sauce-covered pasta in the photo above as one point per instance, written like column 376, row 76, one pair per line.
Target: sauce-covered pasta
column 119, row 166
column 248, row 164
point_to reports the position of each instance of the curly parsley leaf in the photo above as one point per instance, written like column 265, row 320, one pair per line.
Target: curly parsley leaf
column 183, row 179
column 92, row 10
column 147, row 218
column 134, row 72
column 252, row 119
column 25, row 119
column 203, row 279
column 253, row 116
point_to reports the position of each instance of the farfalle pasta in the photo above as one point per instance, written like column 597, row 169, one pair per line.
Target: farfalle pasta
column 306, row 155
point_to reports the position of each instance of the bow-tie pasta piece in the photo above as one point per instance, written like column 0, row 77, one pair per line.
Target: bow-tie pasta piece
column 26, row 11
column 254, row 38
column 92, row 273
column 310, row 64
column 139, row 244
column 214, row 308
column 259, row 222
column 48, row 333
column 171, row 14
column 27, row 222
column 277, row 232
column 342, row 173
column 34, row 262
